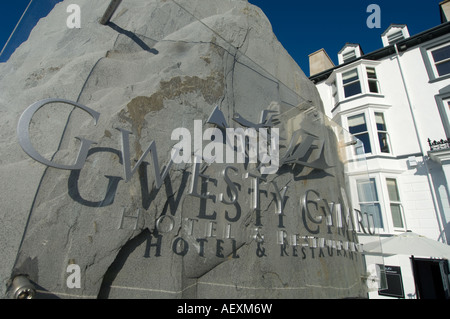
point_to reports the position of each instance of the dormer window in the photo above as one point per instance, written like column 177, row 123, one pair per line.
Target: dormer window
column 394, row 34
column 349, row 56
column 349, row 53
column 395, row 37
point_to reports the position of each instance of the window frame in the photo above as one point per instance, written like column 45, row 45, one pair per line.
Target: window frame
column 367, row 131
column 334, row 92
column 382, row 192
column 385, row 131
column 390, row 203
column 352, row 51
column 387, row 36
column 377, row 200
column 349, row 56
column 352, row 82
column 361, row 67
column 374, row 80
column 433, row 61
column 443, row 105
column 395, row 37
column 426, row 50
column 370, row 113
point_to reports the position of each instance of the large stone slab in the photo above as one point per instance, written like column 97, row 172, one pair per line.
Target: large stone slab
column 219, row 230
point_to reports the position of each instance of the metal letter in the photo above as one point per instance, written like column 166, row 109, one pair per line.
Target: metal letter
column 194, row 182
column 217, row 118
column 23, row 133
column 306, row 213
column 136, row 218
column 233, row 188
column 129, row 172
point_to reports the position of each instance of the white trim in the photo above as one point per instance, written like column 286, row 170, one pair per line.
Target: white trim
column 376, row 171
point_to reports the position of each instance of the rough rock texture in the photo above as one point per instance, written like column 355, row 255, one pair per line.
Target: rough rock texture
column 160, row 65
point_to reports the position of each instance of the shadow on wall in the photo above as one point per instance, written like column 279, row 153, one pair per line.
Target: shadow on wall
column 133, row 37
column 442, row 196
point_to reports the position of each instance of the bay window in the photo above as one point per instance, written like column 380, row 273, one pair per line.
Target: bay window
column 357, row 126
column 372, row 80
column 355, row 79
column 351, row 83
column 368, row 200
column 395, row 204
column 382, row 133
column 370, row 128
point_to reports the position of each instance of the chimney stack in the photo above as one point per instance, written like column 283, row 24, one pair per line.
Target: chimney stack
column 445, row 11
column 319, row 61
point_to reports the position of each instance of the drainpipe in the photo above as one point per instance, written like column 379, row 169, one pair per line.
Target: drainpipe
column 419, row 139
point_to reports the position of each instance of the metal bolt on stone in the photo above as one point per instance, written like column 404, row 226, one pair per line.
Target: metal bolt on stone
column 22, row 288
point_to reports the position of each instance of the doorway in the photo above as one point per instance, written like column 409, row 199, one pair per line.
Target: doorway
column 431, row 277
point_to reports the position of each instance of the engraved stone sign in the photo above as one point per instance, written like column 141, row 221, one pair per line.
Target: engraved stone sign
column 176, row 152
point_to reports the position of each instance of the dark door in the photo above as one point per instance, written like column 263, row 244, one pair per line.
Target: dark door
column 431, row 278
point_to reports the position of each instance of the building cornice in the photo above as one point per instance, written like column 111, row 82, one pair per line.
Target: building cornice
column 440, row 156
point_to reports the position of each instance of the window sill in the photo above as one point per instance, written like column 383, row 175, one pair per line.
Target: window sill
column 356, row 97
column 381, row 155
column 444, row 77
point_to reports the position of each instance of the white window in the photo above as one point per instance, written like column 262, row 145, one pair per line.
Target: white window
column 361, row 79
column 440, row 60
column 350, row 52
column 349, row 56
column 394, row 34
column 383, row 136
column 395, row 203
column 334, row 92
column 357, row 126
column 395, row 37
column 351, row 83
column 371, row 129
column 369, row 201
column 372, row 80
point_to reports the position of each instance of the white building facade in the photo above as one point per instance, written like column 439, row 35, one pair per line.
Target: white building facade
column 396, row 102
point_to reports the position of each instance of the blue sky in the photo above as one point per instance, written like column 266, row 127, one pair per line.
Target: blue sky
column 302, row 27
column 11, row 13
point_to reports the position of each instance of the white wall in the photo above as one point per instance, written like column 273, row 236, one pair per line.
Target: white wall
column 424, row 213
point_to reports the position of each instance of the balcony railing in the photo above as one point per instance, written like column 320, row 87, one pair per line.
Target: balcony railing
column 439, row 145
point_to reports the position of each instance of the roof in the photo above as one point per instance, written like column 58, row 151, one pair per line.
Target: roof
column 402, row 45
column 348, row 44
column 393, row 25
